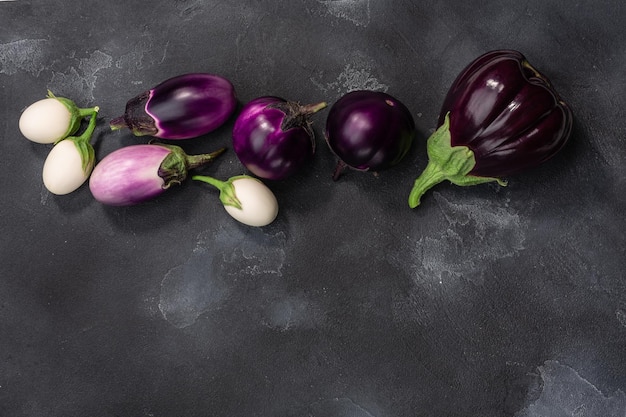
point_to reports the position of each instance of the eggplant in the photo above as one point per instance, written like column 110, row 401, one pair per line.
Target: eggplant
column 368, row 130
column 500, row 117
column 245, row 198
column 52, row 119
column 182, row 107
column 273, row 137
column 137, row 173
column 70, row 161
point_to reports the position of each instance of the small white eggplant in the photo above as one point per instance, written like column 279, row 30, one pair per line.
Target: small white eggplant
column 52, row 119
column 246, row 199
column 70, row 161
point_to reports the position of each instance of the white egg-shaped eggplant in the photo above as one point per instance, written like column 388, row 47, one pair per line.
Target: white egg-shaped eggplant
column 246, row 199
column 63, row 170
column 51, row 119
column 45, row 121
column 259, row 206
column 70, row 161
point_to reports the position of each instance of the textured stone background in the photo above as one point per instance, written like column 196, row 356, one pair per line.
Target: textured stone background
column 484, row 301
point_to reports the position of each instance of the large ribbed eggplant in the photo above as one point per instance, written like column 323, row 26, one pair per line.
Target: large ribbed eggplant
column 501, row 116
column 181, row 107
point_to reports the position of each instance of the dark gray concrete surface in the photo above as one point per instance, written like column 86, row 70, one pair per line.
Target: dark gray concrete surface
column 485, row 301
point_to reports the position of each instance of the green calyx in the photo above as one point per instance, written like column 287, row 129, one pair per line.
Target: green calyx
column 77, row 114
column 83, row 143
column 446, row 162
column 228, row 197
column 176, row 165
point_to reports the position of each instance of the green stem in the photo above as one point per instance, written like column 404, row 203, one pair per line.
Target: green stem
column 83, row 143
column 77, row 114
column 210, row 180
column 86, row 135
column 446, row 162
column 431, row 176
column 313, row 108
column 88, row 111
column 228, row 197
column 195, row 161
column 176, row 165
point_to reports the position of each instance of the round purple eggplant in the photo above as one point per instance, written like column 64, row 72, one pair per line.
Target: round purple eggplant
column 501, row 116
column 137, row 173
column 182, row 107
column 369, row 130
column 273, row 138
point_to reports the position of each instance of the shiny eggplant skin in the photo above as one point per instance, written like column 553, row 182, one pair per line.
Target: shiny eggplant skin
column 507, row 113
column 273, row 137
column 501, row 116
column 133, row 174
column 181, row 107
column 369, row 131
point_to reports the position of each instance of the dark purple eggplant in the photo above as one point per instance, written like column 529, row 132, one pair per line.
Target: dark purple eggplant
column 368, row 130
column 182, row 107
column 501, row 116
column 273, row 138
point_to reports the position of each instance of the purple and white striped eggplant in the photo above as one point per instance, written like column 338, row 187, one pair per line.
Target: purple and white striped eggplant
column 137, row 173
column 182, row 107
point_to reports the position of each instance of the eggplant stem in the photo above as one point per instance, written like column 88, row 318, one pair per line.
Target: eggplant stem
column 309, row 109
column 118, row 123
column 77, row 114
column 226, row 189
column 210, row 180
column 195, row 161
column 446, row 162
column 83, row 145
column 431, row 176
column 297, row 115
column 92, row 124
column 339, row 169
column 84, row 112
column 86, row 135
